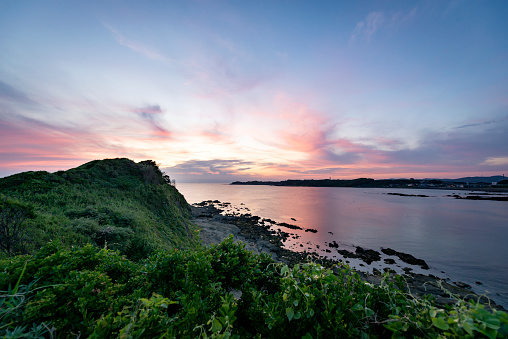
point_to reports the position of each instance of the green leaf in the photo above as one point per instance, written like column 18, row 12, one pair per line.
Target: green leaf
column 357, row 307
column 368, row 312
column 467, row 328
column 295, row 302
column 284, row 270
column 216, row 326
column 440, row 323
column 491, row 333
column 290, row 313
column 307, row 336
column 493, row 323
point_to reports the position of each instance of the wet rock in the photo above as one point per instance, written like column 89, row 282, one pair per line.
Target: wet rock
column 285, row 224
column 409, row 195
column 462, row 285
column 407, row 258
column 389, row 251
column 367, row 255
column 311, row 230
column 333, row 244
column 346, row 254
column 389, row 261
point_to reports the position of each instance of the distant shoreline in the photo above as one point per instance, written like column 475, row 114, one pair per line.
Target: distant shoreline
column 388, row 183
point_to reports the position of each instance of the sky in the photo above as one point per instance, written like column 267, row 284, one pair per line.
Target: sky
column 218, row 91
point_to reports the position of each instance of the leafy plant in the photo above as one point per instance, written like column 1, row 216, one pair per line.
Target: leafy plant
column 13, row 232
column 191, row 293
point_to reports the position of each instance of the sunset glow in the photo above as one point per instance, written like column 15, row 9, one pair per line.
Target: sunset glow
column 218, row 91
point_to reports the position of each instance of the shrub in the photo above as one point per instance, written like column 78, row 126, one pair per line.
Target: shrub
column 13, row 231
column 99, row 293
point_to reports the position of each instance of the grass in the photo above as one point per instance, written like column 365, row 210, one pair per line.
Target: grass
column 126, row 205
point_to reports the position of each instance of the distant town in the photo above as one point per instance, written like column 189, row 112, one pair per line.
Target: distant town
column 493, row 182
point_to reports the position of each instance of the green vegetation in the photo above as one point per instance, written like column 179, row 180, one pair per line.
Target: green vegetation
column 98, row 293
column 119, row 258
column 128, row 206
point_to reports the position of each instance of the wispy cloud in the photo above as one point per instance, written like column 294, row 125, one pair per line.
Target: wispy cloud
column 33, row 145
column 9, row 93
column 216, row 170
column 365, row 29
column 480, row 123
column 136, row 46
column 374, row 21
column 401, row 16
column 149, row 116
column 496, row 161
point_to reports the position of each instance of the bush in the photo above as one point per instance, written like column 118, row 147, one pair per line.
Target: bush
column 99, row 293
column 13, row 231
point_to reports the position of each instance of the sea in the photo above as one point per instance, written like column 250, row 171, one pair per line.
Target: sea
column 461, row 240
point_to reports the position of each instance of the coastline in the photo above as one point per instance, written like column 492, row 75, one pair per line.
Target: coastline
column 258, row 236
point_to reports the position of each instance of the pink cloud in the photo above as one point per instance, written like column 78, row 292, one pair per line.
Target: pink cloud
column 33, row 146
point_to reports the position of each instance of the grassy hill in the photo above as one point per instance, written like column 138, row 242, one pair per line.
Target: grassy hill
column 125, row 205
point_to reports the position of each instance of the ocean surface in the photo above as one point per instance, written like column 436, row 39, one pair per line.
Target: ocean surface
column 462, row 240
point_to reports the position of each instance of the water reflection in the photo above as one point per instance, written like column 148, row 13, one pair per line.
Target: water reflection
column 466, row 239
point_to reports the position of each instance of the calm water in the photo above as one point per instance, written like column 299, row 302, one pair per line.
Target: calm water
column 467, row 240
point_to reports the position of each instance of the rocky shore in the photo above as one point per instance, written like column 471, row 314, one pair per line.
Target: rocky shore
column 217, row 220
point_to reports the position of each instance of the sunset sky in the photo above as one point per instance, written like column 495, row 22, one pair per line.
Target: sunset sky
column 216, row 91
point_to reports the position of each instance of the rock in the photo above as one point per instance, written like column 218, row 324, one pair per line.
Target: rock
column 389, row 251
column 389, row 261
column 346, row 254
column 367, row 255
column 407, row 258
column 333, row 244
column 285, row 224
column 462, row 285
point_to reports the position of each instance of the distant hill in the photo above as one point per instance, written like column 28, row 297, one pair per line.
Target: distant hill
column 115, row 202
column 373, row 183
column 474, row 180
